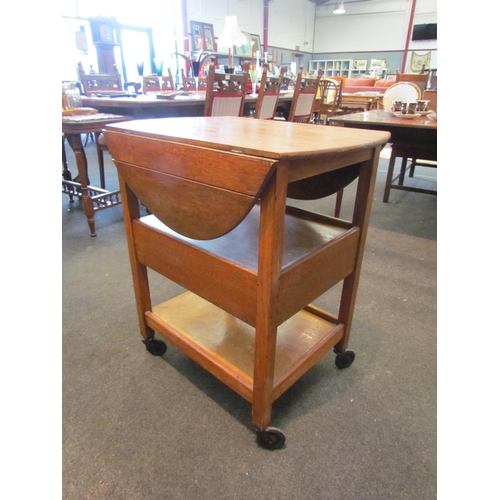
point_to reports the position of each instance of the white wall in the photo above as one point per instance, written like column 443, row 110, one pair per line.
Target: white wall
column 291, row 22
column 377, row 25
column 367, row 26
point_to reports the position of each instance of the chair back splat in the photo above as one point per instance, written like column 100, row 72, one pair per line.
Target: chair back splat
column 225, row 95
column 99, row 82
column 327, row 100
column 189, row 83
column 341, row 82
column 152, row 83
column 419, row 79
column 402, row 91
column 269, row 92
column 304, row 97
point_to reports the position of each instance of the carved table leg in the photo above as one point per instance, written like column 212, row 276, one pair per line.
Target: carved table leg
column 66, row 172
column 75, row 141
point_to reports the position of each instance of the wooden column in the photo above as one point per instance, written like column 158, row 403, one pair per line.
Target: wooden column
column 266, row 25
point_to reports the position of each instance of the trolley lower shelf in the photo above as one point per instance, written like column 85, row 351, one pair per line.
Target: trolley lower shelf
column 224, row 345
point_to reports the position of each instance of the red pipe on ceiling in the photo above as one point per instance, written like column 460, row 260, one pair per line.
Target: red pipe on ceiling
column 408, row 35
column 266, row 24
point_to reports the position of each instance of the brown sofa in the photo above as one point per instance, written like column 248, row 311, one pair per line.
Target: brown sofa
column 353, row 85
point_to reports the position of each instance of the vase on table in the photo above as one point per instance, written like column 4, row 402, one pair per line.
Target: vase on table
column 195, row 67
column 254, row 75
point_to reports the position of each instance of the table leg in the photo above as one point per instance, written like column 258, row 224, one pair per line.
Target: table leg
column 388, row 181
column 66, row 172
column 75, row 141
column 402, row 173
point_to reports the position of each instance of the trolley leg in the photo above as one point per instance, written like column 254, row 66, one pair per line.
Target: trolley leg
column 131, row 211
column 272, row 222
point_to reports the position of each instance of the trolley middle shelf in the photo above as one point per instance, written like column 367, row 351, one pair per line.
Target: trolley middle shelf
column 318, row 252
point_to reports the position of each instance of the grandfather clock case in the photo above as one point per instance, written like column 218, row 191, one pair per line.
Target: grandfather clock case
column 103, row 37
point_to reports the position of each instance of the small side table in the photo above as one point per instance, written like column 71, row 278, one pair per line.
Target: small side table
column 93, row 198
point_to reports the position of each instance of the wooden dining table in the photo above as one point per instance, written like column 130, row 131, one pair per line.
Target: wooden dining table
column 158, row 106
column 93, row 198
column 410, row 138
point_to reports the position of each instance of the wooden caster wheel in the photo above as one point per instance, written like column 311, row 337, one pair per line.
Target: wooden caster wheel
column 344, row 359
column 155, row 347
column 271, row 438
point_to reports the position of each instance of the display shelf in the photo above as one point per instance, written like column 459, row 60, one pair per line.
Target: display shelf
column 332, row 67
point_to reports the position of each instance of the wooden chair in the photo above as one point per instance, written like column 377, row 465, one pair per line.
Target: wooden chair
column 99, row 82
column 269, row 91
column 419, row 79
column 152, row 83
column 225, row 95
column 189, row 84
column 326, row 101
column 341, row 81
column 401, row 91
column 431, row 96
column 304, row 97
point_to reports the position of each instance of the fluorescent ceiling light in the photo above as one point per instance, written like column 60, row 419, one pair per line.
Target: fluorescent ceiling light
column 339, row 8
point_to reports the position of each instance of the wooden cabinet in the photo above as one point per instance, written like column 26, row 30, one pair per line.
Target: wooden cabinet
column 220, row 226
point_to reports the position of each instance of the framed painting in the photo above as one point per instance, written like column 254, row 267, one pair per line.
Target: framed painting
column 208, row 32
column 255, row 39
column 244, row 50
column 376, row 63
column 360, row 64
column 196, row 34
column 203, row 36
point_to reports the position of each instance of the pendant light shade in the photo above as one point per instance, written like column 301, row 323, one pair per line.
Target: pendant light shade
column 339, row 8
column 231, row 34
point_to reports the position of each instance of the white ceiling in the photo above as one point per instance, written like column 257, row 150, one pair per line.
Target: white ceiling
column 324, row 8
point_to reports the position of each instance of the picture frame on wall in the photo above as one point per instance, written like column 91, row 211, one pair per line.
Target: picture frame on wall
column 208, row 31
column 376, row 63
column 255, row 39
column 244, row 50
column 202, row 35
column 360, row 64
column 197, row 34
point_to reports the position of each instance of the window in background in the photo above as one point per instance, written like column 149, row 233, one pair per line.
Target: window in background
column 142, row 34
